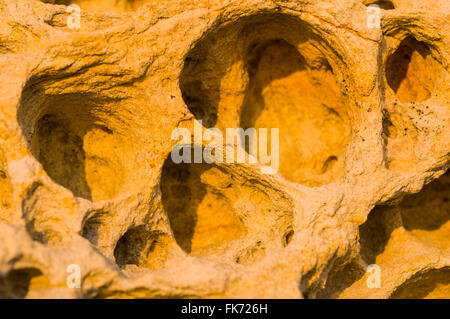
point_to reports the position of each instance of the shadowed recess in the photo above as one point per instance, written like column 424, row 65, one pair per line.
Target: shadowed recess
column 285, row 92
column 273, row 71
column 17, row 283
column 426, row 215
column 411, row 71
column 76, row 146
column 385, row 5
column 340, row 278
column 85, row 142
column 92, row 226
column 143, row 248
column 200, row 216
column 432, row 284
column 375, row 233
column 217, row 209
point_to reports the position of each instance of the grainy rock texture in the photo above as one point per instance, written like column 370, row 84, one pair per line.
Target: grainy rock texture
column 86, row 177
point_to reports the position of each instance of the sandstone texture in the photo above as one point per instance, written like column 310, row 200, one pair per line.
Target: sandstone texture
column 86, row 177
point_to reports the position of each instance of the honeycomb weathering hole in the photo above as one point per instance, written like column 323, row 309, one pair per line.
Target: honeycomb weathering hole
column 433, row 284
column 375, row 232
column 143, row 248
column 426, row 215
column 305, row 104
column 242, row 76
column 411, row 71
column 200, row 216
column 374, row 236
column 79, row 141
column 18, row 283
column 224, row 210
column 79, row 152
column 340, row 278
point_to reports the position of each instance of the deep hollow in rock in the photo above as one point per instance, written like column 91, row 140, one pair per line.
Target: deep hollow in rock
column 411, row 71
column 376, row 231
column 260, row 73
column 142, row 248
column 426, row 215
column 213, row 210
column 200, row 216
column 83, row 141
column 305, row 103
column 18, row 282
column 340, row 278
column 432, row 284
column 374, row 235
column 78, row 149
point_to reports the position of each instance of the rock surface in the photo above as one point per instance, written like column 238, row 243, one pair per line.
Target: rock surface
column 86, row 177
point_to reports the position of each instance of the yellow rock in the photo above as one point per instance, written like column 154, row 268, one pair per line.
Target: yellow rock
column 93, row 205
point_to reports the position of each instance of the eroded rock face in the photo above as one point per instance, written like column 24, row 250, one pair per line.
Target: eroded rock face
column 87, row 181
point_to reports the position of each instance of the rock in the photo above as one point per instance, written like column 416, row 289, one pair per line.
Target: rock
column 93, row 205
